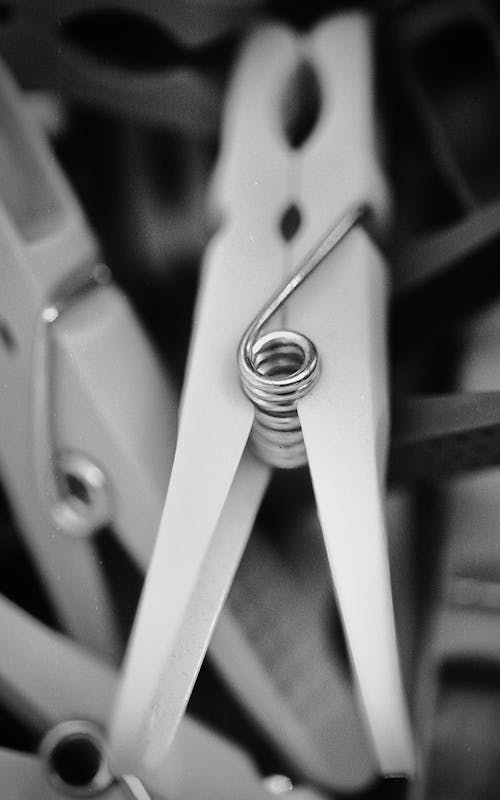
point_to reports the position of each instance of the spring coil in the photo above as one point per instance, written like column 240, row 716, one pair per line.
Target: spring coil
column 278, row 368
column 284, row 368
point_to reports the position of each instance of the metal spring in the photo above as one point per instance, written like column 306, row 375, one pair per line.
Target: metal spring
column 278, row 368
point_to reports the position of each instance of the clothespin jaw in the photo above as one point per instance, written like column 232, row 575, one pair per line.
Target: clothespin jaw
column 345, row 417
column 260, row 175
column 65, row 704
column 86, row 417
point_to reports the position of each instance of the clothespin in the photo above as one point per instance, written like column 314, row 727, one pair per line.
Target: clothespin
column 462, row 239
column 459, row 662
column 106, row 403
column 87, row 418
column 65, row 703
column 218, row 481
column 159, row 70
column 436, row 436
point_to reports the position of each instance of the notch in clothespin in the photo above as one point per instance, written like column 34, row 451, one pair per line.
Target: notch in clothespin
column 87, row 418
column 218, row 478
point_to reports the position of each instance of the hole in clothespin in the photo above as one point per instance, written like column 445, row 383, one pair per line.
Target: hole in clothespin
column 84, row 505
column 7, row 338
column 290, row 222
column 77, row 488
column 302, row 105
column 76, row 760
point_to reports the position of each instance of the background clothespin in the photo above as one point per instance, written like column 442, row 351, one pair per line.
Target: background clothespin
column 87, row 418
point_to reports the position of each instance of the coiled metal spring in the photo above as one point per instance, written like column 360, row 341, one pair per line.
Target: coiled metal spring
column 278, row 368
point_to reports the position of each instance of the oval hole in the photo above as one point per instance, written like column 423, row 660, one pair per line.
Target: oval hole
column 290, row 222
column 76, row 761
column 7, row 338
column 302, row 105
column 77, row 489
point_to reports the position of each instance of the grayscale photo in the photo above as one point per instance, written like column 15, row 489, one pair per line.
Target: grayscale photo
column 249, row 399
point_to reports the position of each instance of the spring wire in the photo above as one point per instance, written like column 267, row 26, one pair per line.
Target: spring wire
column 278, row 368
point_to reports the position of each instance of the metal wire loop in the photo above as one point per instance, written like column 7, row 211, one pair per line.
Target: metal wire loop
column 278, row 368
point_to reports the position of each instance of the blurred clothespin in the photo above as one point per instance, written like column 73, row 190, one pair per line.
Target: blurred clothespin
column 153, row 63
column 65, row 704
column 87, row 419
column 457, row 697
